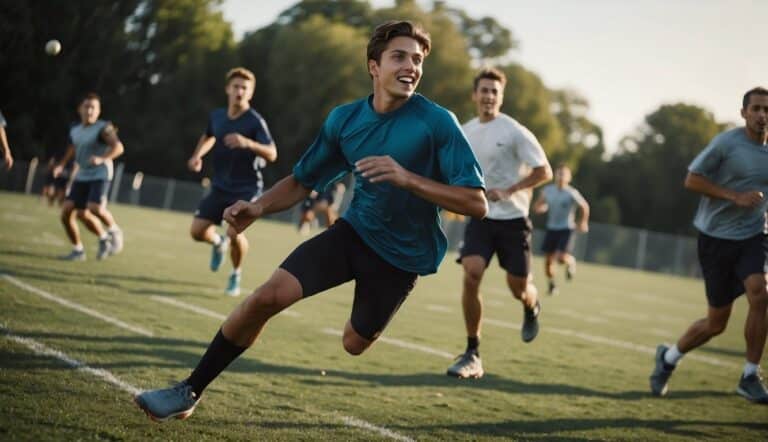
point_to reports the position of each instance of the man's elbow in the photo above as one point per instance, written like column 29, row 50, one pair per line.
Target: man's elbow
column 478, row 208
column 546, row 174
column 690, row 182
column 272, row 155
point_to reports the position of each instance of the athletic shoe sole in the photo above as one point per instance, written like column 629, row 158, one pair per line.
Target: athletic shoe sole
column 180, row 415
column 743, row 393
column 472, row 376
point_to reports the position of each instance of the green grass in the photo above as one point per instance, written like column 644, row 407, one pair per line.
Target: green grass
column 562, row 386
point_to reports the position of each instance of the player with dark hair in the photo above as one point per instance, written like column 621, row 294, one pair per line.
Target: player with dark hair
column 409, row 157
column 239, row 141
column 731, row 174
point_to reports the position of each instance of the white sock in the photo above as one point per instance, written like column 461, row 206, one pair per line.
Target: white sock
column 78, row 247
column 114, row 228
column 217, row 239
column 750, row 368
column 236, row 271
column 104, row 236
column 673, row 355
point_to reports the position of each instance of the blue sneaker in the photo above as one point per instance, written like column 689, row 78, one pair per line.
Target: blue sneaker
column 233, row 285
column 160, row 405
column 105, row 248
column 218, row 252
column 74, row 255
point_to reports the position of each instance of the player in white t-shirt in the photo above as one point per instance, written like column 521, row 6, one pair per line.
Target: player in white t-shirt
column 513, row 163
column 561, row 201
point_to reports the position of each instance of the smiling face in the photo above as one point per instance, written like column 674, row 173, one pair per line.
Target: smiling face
column 488, row 97
column 399, row 70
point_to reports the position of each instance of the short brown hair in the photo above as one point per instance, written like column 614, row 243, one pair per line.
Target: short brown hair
column 90, row 96
column 754, row 91
column 391, row 29
column 240, row 72
column 490, row 74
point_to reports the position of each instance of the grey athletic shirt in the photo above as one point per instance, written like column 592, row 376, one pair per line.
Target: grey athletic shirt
column 87, row 142
column 562, row 206
column 733, row 161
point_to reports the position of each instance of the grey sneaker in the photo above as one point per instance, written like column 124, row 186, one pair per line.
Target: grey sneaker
column 753, row 388
column 467, row 365
column 104, row 248
column 160, row 405
column 661, row 372
column 115, row 241
column 531, row 323
column 74, row 255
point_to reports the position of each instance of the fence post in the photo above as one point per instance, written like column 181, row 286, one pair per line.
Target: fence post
column 169, row 189
column 30, row 175
column 116, row 180
column 642, row 241
column 138, row 179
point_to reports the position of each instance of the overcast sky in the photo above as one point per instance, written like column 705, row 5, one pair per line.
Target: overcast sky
column 626, row 58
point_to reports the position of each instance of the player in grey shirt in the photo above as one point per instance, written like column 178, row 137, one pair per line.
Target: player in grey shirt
column 561, row 201
column 94, row 144
column 732, row 176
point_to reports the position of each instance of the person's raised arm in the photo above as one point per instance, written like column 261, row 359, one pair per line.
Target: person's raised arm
column 468, row 201
column 700, row 184
column 283, row 195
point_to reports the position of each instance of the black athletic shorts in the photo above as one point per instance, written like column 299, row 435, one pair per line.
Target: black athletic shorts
column 309, row 202
column 558, row 240
column 59, row 183
column 212, row 206
column 509, row 238
column 84, row 192
column 339, row 255
column 726, row 263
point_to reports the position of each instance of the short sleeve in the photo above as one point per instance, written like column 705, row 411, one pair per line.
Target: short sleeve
column 323, row 163
column 107, row 130
column 262, row 134
column 458, row 165
column 578, row 197
column 708, row 160
column 529, row 149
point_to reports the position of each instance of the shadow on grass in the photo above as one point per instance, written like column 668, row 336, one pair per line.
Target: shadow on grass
column 28, row 254
column 143, row 352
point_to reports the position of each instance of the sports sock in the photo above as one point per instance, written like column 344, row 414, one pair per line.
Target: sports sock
column 221, row 352
column 750, row 369
column 236, row 271
column 78, row 247
column 114, row 228
column 217, row 239
column 473, row 342
column 672, row 356
column 104, row 236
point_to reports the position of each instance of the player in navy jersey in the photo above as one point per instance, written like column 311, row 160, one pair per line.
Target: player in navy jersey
column 240, row 145
column 409, row 157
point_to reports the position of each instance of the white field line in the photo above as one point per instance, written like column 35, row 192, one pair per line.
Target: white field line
column 357, row 423
column 401, row 344
column 602, row 340
column 438, row 308
column 43, row 350
column 204, row 311
column 576, row 315
column 75, row 306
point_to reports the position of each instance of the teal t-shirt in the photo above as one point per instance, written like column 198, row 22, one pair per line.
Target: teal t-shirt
column 733, row 161
column 423, row 138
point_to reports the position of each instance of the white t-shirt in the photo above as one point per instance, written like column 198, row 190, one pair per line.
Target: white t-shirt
column 507, row 152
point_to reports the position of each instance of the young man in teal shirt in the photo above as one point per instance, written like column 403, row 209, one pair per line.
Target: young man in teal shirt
column 732, row 176
column 410, row 157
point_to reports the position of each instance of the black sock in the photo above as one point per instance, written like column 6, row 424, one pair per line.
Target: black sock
column 219, row 355
column 472, row 344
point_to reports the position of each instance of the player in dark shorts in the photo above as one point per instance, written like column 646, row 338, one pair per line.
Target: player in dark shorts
column 321, row 203
column 560, row 201
column 513, row 164
column 731, row 174
column 55, row 188
column 239, row 141
column 409, row 157
column 93, row 145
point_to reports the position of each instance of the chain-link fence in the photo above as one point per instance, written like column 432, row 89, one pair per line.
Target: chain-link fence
column 603, row 244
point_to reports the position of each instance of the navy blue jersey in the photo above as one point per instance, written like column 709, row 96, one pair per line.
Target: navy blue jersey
column 237, row 170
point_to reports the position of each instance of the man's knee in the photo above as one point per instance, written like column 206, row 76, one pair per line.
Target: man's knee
column 82, row 214
column 197, row 233
column 96, row 209
column 757, row 292
column 473, row 270
column 354, row 344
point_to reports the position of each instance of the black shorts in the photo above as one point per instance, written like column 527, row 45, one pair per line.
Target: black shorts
column 212, row 206
column 59, row 183
column 339, row 255
column 726, row 263
column 309, row 202
column 557, row 241
column 509, row 238
column 84, row 192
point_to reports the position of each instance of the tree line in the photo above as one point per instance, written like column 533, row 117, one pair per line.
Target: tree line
column 159, row 66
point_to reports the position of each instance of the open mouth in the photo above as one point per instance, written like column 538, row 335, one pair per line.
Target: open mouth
column 407, row 79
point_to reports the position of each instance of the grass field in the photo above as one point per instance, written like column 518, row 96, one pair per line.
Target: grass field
column 145, row 316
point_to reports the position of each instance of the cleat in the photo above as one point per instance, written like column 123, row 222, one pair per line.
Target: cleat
column 233, row 285
column 115, row 241
column 75, row 255
column 552, row 288
column 467, row 365
column 753, row 388
column 104, row 248
column 661, row 373
column 176, row 402
column 530, row 328
column 217, row 253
